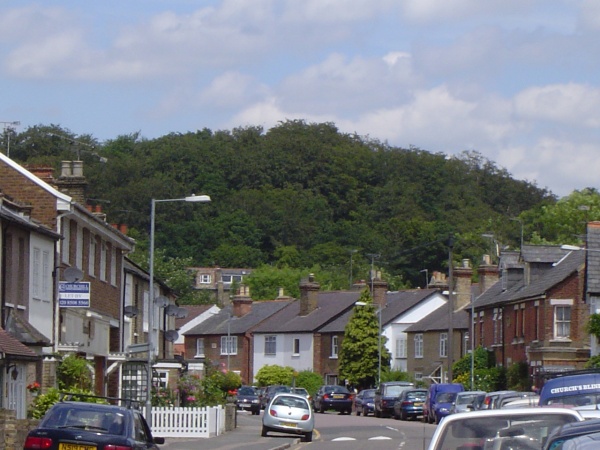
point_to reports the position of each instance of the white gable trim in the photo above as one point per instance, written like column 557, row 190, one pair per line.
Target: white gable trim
column 63, row 202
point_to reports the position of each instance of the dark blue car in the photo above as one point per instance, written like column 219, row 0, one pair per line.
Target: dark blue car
column 364, row 402
column 410, row 404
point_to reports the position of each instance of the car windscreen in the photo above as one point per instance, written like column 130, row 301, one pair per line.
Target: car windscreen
column 338, row 390
column 518, row 431
column 466, row 399
column 246, row 391
column 395, row 391
column 292, row 402
column 445, row 397
column 413, row 395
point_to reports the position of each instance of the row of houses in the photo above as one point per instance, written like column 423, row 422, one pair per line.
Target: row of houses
column 67, row 286
column 530, row 307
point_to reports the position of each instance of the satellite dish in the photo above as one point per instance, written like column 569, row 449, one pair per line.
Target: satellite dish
column 182, row 313
column 72, row 274
column 161, row 301
column 171, row 310
column 171, row 335
column 130, row 311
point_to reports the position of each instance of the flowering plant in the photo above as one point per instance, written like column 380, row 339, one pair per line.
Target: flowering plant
column 33, row 387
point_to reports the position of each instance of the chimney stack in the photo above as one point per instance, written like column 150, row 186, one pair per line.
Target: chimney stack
column 463, row 284
column 488, row 274
column 71, row 180
column 308, row 295
column 379, row 290
column 242, row 302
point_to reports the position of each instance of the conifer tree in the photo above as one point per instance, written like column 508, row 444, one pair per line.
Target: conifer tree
column 359, row 352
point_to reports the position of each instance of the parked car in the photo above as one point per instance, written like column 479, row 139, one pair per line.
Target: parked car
column 574, row 389
column 247, row 399
column 584, row 442
column 82, row 425
column 302, row 391
column 439, row 401
column 386, row 395
column 467, row 401
column 410, row 404
column 364, row 402
column 270, row 392
column 500, row 429
column 503, row 399
column 567, row 432
column 289, row 413
column 525, row 402
column 489, row 402
column 333, row 397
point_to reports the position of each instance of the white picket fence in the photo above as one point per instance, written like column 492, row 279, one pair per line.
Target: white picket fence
column 188, row 422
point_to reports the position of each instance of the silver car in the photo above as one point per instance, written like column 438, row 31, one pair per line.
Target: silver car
column 289, row 413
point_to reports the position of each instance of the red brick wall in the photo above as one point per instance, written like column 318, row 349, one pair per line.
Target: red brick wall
column 21, row 189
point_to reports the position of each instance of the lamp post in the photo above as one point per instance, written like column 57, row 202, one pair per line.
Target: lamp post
column 351, row 253
column 450, row 351
column 193, row 199
column 378, row 312
column 228, row 339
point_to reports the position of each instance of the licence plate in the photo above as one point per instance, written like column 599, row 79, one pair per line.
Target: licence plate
column 339, row 396
column 288, row 424
column 65, row 446
column 418, row 404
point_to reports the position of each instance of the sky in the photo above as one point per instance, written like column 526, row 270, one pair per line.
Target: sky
column 517, row 81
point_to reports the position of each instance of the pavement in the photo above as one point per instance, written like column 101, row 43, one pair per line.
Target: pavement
column 245, row 436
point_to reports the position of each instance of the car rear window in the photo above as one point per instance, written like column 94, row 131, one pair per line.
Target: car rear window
column 246, row 391
column 292, row 402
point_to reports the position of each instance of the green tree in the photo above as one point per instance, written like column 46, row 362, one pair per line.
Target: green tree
column 309, row 380
column 74, row 372
column 274, row 374
column 360, row 353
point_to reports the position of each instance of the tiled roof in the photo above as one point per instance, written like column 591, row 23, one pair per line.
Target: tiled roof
column 437, row 320
column 193, row 312
column 330, row 305
column 558, row 273
column 12, row 347
column 220, row 324
column 24, row 332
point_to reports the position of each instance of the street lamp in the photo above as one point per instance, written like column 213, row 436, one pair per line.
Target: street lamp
column 192, row 199
column 378, row 312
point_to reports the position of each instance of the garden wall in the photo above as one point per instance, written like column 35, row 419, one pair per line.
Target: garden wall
column 14, row 430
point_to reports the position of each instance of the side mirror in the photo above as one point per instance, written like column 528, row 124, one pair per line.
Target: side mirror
column 159, row 440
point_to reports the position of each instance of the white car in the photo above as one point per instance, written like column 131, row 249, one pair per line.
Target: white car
column 525, row 429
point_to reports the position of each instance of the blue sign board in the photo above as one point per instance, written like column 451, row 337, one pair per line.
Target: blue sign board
column 74, row 294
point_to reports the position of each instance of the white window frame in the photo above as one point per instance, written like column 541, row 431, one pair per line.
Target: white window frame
column 401, row 348
column 562, row 326
column 271, row 344
column 335, row 346
column 79, row 249
column 103, row 261
column 36, row 278
column 199, row 348
column 229, row 345
column 113, row 266
column 418, row 345
column 92, row 255
column 65, row 243
column 204, row 278
column 46, row 294
column 444, row 345
column 296, row 347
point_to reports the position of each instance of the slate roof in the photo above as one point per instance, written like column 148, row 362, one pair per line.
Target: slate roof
column 219, row 324
column 542, row 253
column 562, row 269
column 24, row 332
column 193, row 312
column 437, row 320
column 330, row 305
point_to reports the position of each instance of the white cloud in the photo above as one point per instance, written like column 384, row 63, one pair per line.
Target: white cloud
column 572, row 104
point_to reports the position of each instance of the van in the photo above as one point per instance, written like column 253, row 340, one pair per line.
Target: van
column 575, row 389
column 439, row 401
column 386, row 395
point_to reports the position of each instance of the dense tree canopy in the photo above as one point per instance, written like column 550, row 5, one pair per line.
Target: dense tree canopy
column 299, row 195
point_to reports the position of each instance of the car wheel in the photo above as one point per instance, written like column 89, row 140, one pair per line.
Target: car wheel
column 308, row 437
column 321, row 409
column 402, row 415
column 264, row 431
column 377, row 414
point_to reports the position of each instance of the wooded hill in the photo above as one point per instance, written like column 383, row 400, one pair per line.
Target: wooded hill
column 299, row 195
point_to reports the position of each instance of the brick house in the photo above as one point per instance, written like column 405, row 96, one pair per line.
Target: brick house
column 218, row 282
column 90, row 251
column 26, row 308
column 536, row 313
column 224, row 339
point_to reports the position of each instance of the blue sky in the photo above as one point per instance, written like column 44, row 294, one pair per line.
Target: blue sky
column 515, row 80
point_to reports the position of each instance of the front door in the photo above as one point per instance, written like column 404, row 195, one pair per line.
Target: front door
column 14, row 390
